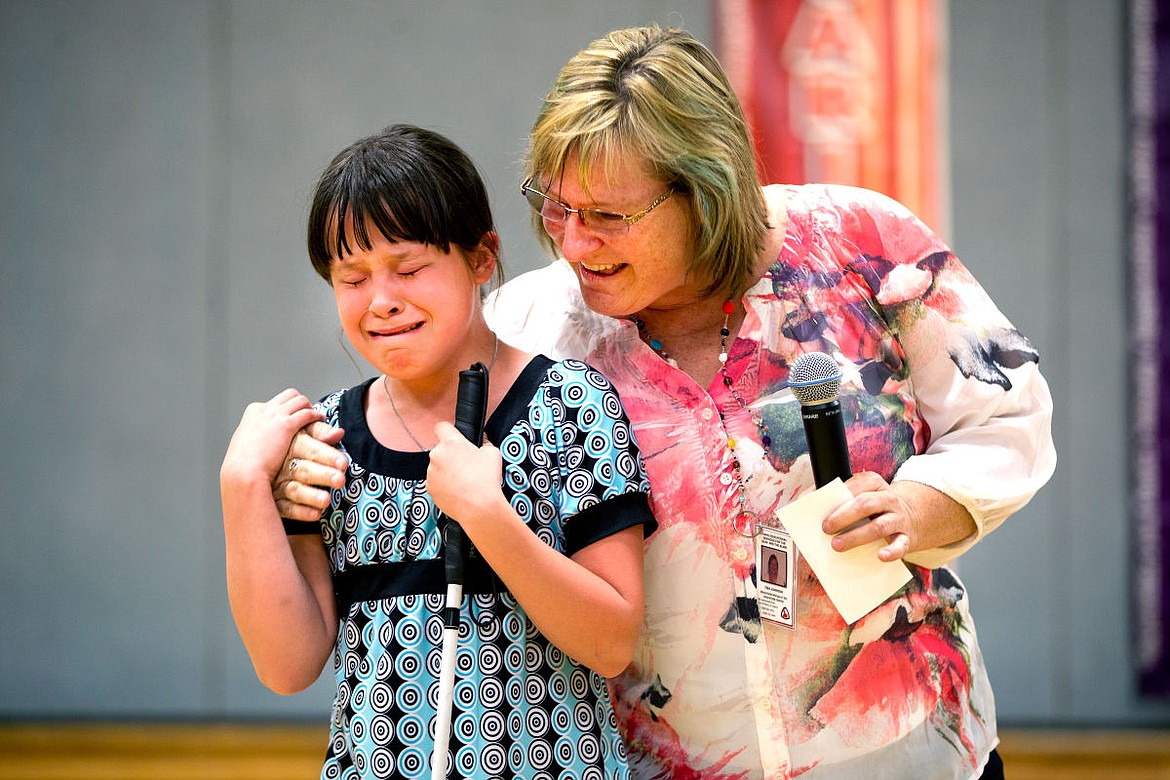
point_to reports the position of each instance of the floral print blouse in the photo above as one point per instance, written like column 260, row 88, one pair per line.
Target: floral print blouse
column 938, row 388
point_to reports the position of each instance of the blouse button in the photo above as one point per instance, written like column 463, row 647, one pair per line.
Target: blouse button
column 725, row 478
column 706, row 414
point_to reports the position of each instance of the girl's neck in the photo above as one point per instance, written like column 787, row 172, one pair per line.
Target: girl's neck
column 402, row 412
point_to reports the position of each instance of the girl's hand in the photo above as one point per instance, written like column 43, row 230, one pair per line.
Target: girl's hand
column 464, row 480
column 258, row 447
column 589, row 605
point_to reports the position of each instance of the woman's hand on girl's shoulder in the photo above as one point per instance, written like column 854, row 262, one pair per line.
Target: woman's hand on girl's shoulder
column 312, row 466
column 260, row 442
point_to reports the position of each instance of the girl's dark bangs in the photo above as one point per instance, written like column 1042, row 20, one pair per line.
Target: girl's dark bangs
column 354, row 220
column 397, row 212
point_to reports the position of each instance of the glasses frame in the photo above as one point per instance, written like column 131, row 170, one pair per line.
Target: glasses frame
column 628, row 219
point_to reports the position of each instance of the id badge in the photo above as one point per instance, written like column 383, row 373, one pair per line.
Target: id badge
column 775, row 570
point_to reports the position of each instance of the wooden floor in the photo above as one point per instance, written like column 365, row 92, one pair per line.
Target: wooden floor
column 56, row 751
column 1081, row 755
column 150, row 751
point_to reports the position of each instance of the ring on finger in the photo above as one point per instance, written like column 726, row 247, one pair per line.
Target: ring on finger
column 293, row 465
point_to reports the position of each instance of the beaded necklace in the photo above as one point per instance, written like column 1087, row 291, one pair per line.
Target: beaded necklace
column 746, row 522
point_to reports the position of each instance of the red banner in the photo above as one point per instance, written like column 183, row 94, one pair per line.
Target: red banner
column 842, row 91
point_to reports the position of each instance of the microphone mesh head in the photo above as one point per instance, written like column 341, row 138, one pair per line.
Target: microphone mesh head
column 815, row 378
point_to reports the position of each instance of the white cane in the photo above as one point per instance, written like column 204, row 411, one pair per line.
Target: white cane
column 470, row 409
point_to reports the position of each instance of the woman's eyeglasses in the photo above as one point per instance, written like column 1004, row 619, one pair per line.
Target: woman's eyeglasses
column 608, row 222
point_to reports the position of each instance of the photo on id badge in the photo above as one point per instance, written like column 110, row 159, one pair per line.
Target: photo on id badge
column 774, row 563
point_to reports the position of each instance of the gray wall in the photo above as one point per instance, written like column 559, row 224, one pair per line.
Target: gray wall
column 1039, row 152
column 155, row 161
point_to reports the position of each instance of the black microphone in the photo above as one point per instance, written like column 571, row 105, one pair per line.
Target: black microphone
column 470, row 410
column 815, row 379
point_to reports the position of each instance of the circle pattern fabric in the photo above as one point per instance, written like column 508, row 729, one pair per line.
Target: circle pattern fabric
column 522, row 708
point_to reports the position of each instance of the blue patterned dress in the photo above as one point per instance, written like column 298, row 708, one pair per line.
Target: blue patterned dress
column 522, row 708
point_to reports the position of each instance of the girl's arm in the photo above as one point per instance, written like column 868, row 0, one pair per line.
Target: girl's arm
column 589, row 605
column 280, row 587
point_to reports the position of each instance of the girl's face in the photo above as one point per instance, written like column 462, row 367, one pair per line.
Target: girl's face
column 408, row 308
column 644, row 269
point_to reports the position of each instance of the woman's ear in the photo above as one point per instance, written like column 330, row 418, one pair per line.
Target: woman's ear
column 485, row 257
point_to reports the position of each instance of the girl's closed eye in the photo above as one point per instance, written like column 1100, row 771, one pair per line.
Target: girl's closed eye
column 350, row 279
column 347, row 274
column 409, row 271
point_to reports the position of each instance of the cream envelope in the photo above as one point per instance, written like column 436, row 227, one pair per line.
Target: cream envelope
column 855, row 580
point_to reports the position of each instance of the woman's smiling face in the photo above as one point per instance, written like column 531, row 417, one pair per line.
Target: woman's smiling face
column 645, row 268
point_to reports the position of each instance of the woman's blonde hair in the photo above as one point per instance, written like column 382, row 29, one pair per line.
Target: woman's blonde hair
column 660, row 96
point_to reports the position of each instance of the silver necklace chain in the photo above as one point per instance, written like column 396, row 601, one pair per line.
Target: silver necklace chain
column 394, row 406
column 402, row 422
